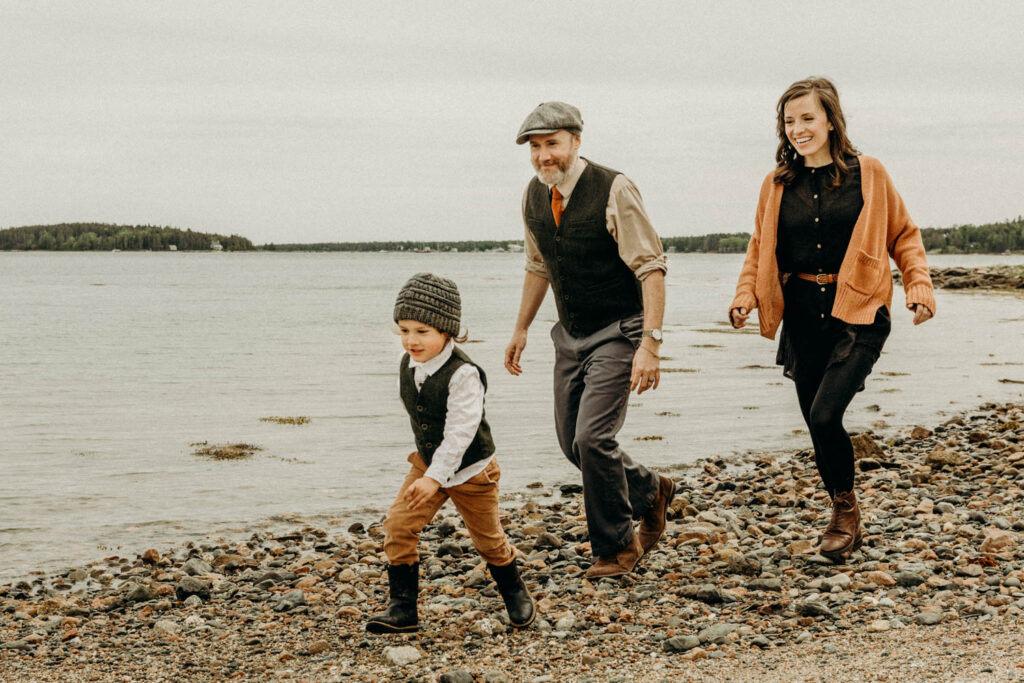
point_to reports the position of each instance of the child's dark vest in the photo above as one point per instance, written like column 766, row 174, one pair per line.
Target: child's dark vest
column 428, row 406
column 592, row 284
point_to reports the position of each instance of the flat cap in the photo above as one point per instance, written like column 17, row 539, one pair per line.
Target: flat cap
column 550, row 117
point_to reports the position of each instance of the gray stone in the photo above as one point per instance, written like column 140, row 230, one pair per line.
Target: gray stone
column 680, row 643
column 192, row 586
column 167, row 627
column 402, row 655
column 773, row 585
column 709, row 593
column 548, row 540
column 716, row 633
column 456, row 676
column 196, row 566
column 290, row 601
column 141, row 593
column 813, row 608
column 908, row 579
column 744, row 564
column 761, row 642
column 496, row 677
column 928, row 618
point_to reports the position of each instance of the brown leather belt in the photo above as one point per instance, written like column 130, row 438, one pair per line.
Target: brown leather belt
column 820, row 278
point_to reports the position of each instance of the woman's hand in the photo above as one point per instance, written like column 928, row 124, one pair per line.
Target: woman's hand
column 738, row 317
column 921, row 313
column 420, row 491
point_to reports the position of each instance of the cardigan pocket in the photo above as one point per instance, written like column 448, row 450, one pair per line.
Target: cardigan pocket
column 865, row 274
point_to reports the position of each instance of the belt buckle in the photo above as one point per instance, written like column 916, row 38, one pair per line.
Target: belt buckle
column 821, row 278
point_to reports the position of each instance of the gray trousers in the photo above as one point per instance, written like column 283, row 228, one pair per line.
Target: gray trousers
column 591, row 395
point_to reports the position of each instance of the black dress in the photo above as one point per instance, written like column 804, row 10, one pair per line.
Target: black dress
column 815, row 225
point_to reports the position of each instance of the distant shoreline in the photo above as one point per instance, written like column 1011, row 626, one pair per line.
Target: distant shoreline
column 1002, row 238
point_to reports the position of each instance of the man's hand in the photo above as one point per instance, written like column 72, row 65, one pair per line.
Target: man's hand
column 921, row 313
column 646, row 367
column 738, row 317
column 513, row 351
column 420, row 492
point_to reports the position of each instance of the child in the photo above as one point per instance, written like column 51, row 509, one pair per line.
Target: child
column 443, row 392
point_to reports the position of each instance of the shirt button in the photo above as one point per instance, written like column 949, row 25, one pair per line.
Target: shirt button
column 819, row 246
column 816, row 219
column 823, row 316
column 823, row 289
column 815, row 196
column 820, row 270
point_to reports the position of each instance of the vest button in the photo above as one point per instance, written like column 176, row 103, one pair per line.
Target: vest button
column 424, row 427
column 565, row 296
column 419, row 409
column 428, row 445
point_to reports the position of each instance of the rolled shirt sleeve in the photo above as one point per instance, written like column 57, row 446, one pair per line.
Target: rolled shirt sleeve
column 465, row 412
column 639, row 245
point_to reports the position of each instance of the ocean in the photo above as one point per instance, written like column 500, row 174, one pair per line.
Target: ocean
column 115, row 363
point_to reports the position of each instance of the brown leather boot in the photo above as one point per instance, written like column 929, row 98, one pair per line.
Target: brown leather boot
column 652, row 526
column 619, row 564
column 843, row 534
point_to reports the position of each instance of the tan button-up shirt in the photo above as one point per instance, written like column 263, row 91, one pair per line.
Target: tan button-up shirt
column 628, row 224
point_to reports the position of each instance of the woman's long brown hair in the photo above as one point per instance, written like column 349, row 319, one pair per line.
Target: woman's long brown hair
column 788, row 160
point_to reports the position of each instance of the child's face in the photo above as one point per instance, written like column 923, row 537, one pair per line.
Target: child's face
column 420, row 340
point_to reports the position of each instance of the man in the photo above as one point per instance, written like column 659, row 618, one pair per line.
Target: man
column 588, row 236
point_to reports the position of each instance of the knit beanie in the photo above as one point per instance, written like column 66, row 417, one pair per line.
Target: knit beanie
column 430, row 299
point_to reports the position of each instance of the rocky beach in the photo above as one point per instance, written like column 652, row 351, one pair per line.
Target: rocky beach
column 985, row 277
column 735, row 590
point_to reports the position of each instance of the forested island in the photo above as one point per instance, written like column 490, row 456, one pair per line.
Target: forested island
column 989, row 238
column 108, row 237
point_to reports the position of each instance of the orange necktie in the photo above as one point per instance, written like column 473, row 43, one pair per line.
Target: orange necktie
column 556, row 205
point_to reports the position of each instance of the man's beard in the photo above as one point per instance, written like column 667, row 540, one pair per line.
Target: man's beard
column 554, row 175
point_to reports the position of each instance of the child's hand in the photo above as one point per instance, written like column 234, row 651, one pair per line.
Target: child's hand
column 420, row 492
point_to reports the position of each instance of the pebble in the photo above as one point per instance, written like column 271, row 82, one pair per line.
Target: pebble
column 402, row 655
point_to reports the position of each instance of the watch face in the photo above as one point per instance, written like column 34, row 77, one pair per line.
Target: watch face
column 656, row 334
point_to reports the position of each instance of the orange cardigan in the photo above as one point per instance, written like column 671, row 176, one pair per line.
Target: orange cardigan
column 883, row 229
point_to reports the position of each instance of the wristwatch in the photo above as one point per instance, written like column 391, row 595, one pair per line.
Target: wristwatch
column 654, row 334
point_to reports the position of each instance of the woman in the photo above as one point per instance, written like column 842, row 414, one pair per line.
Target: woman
column 827, row 220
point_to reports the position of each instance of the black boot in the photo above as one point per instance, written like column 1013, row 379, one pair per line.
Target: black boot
column 400, row 616
column 518, row 601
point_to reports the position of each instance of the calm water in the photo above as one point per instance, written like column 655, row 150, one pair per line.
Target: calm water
column 114, row 363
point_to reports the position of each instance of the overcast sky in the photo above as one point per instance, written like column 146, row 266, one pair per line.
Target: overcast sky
column 350, row 121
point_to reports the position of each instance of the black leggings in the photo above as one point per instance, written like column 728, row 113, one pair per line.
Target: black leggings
column 824, row 395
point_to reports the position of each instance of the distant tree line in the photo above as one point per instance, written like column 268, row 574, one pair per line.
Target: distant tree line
column 469, row 245
column 106, row 237
column 990, row 238
column 718, row 243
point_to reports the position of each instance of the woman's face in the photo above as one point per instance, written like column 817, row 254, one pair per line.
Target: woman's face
column 807, row 129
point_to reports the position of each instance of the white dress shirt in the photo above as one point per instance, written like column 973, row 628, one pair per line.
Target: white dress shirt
column 465, row 411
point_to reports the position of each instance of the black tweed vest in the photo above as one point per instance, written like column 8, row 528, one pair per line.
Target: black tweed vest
column 428, row 406
column 593, row 287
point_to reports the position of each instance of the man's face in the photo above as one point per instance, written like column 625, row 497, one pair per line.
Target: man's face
column 553, row 155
